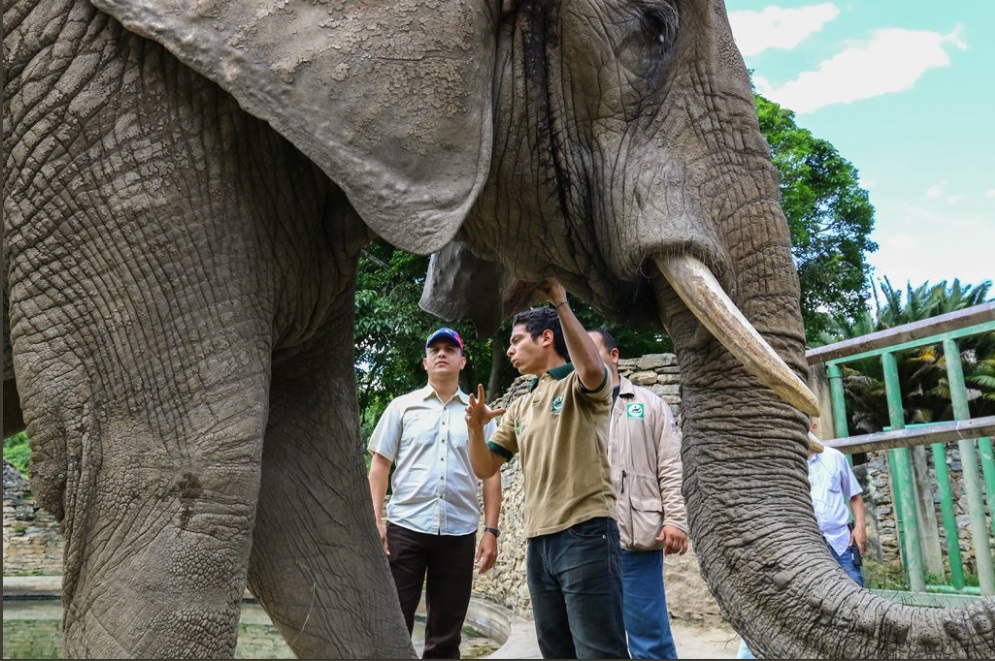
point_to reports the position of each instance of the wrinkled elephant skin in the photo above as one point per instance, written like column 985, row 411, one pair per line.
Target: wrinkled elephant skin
column 186, row 189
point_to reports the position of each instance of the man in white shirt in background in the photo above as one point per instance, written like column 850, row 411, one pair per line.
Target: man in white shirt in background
column 833, row 488
column 429, row 534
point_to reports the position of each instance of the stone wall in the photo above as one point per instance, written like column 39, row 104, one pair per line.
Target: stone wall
column 688, row 597
column 883, row 544
column 31, row 540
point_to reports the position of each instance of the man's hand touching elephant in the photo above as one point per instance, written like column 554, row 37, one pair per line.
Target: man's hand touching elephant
column 551, row 290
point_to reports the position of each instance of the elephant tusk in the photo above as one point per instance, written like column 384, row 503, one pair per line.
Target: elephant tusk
column 704, row 296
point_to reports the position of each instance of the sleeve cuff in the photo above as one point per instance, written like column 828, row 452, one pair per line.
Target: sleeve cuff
column 499, row 450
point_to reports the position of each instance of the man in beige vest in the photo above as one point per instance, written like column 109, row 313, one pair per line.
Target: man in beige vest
column 644, row 450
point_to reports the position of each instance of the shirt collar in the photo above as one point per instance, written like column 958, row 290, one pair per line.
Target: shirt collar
column 626, row 389
column 559, row 373
column 428, row 392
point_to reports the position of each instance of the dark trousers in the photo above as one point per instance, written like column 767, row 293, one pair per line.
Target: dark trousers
column 444, row 565
column 575, row 581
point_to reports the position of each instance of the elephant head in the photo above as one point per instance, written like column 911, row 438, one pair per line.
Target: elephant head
column 186, row 188
column 632, row 167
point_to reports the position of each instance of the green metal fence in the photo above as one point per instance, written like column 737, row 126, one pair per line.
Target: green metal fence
column 916, row 521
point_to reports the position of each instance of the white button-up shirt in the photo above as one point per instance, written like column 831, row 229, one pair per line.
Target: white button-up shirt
column 433, row 487
column 833, row 485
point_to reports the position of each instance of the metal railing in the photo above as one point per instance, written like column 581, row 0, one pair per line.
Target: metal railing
column 917, row 527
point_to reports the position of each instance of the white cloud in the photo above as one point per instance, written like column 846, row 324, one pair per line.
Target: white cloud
column 776, row 27
column 934, row 192
column 990, row 192
column 920, row 243
column 955, row 198
column 891, row 61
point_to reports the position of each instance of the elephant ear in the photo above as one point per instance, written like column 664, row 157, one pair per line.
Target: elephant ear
column 391, row 98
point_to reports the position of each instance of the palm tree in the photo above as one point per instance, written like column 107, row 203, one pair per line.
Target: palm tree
column 922, row 372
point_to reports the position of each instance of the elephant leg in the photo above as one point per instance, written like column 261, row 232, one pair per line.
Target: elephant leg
column 145, row 219
column 317, row 566
column 159, row 516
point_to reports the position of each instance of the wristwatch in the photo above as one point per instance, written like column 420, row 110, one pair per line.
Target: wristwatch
column 493, row 531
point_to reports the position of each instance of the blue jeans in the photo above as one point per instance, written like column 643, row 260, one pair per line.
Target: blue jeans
column 644, row 606
column 576, row 587
column 846, row 562
column 744, row 652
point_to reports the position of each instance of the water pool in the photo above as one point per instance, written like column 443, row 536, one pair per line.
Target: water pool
column 32, row 629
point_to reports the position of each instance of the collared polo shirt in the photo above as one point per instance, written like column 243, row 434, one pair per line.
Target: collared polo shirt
column 433, row 486
column 561, row 431
column 833, row 484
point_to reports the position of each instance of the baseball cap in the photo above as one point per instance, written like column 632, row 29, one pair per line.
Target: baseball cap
column 447, row 334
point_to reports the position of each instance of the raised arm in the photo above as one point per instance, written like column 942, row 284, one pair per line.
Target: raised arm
column 583, row 351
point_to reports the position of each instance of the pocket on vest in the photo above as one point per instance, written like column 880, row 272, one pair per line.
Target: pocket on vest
column 647, row 521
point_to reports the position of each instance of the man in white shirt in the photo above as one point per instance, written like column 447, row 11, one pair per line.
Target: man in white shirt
column 431, row 521
column 834, row 486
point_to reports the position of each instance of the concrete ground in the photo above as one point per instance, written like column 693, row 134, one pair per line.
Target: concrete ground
column 694, row 640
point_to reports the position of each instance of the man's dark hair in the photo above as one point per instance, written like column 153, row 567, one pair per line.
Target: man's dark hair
column 537, row 320
column 606, row 338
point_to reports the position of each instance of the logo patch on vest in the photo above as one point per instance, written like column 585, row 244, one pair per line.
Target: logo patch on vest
column 557, row 406
column 635, row 411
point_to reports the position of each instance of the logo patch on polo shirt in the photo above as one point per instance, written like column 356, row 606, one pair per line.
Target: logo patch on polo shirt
column 557, row 406
column 635, row 411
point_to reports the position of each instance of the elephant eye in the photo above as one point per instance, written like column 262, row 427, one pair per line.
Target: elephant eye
column 650, row 40
column 660, row 25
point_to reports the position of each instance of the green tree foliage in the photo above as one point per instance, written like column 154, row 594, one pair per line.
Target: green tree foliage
column 632, row 342
column 17, row 451
column 829, row 215
column 391, row 330
column 922, row 372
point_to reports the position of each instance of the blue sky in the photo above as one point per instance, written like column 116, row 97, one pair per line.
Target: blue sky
column 905, row 90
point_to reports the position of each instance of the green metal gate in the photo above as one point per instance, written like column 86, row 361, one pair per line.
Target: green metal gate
column 916, row 523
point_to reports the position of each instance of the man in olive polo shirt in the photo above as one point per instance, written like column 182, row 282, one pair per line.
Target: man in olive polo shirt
column 561, row 430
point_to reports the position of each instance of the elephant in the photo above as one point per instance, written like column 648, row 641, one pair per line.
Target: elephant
column 187, row 188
